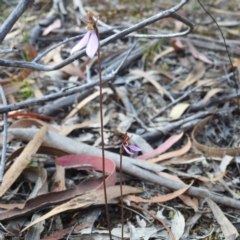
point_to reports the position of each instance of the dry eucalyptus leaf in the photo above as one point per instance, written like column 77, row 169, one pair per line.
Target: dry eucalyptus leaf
column 22, row 161
column 178, row 225
column 229, row 231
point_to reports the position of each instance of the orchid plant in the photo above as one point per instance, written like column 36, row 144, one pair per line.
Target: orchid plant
column 90, row 39
column 127, row 146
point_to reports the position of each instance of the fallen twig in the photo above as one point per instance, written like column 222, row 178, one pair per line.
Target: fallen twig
column 14, row 16
column 167, row 13
column 78, row 89
column 181, row 98
column 5, row 128
column 140, row 169
column 177, row 124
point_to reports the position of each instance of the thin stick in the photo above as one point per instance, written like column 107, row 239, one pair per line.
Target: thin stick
column 139, row 169
column 182, row 97
column 229, row 57
column 121, row 192
column 50, row 97
column 70, row 91
column 4, row 146
column 164, row 14
column 13, row 17
column 9, row 51
column 102, row 136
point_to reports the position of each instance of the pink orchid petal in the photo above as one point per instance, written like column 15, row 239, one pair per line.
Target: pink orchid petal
column 92, row 45
column 82, row 43
column 134, row 148
column 130, row 153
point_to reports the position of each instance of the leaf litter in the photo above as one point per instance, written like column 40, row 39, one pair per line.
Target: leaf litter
column 194, row 141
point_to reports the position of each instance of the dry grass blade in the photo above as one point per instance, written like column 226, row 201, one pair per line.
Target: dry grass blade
column 22, row 161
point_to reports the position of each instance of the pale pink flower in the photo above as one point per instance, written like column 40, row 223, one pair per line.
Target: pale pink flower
column 127, row 146
column 90, row 40
column 131, row 147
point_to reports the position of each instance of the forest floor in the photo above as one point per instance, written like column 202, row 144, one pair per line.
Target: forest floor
column 177, row 98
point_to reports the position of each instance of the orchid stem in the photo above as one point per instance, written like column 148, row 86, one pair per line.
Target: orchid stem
column 121, row 192
column 102, row 138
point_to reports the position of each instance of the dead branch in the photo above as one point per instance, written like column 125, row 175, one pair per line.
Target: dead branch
column 140, row 169
column 181, row 98
column 167, row 13
column 160, row 132
column 115, row 68
column 13, row 17
column 4, row 146
column 50, row 97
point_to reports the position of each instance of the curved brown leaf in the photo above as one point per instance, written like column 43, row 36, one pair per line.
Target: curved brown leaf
column 192, row 202
column 176, row 44
column 210, row 94
column 196, row 54
column 160, row 198
column 216, row 152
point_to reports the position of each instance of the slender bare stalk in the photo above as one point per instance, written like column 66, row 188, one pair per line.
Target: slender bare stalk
column 121, row 191
column 227, row 51
column 102, row 137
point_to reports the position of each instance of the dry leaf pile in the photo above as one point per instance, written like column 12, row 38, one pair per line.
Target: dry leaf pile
column 176, row 97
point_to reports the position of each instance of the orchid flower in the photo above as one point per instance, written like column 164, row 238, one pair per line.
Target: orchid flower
column 127, row 146
column 90, row 40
